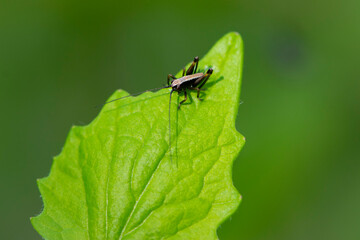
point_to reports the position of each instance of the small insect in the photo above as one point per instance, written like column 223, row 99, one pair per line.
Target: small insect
column 190, row 80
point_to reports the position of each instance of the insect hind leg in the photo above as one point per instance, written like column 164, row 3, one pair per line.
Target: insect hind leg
column 193, row 67
column 204, row 79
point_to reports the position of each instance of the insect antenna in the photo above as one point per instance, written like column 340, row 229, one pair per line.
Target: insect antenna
column 172, row 90
column 134, row 94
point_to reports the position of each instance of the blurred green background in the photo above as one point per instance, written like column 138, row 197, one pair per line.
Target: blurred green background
column 299, row 172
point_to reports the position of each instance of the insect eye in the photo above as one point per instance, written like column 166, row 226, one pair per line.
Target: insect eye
column 196, row 59
column 210, row 71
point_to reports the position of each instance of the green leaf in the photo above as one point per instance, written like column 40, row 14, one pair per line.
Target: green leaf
column 114, row 178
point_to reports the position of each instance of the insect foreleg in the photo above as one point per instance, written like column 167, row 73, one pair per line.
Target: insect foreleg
column 168, row 78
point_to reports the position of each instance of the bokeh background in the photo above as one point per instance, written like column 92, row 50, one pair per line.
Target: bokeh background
column 299, row 172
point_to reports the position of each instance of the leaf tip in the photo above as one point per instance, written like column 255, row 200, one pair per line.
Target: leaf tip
column 234, row 35
column 235, row 39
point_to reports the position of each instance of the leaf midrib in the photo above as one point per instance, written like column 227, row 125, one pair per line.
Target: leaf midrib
column 141, row 194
